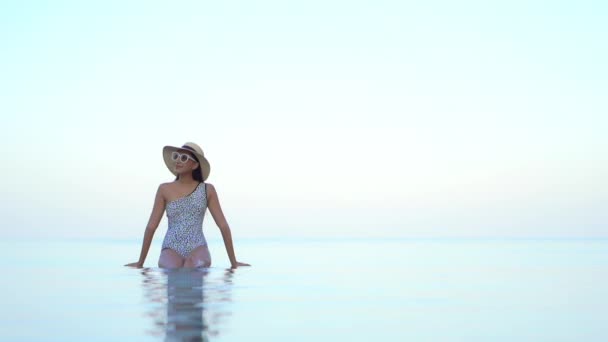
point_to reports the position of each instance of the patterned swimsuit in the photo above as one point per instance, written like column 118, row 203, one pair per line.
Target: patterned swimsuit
column 185, row 215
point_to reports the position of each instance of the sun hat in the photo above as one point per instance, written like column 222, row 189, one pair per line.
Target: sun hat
column 192, row 148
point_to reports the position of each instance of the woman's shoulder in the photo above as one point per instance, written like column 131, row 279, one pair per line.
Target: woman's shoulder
column 209, row 188
column 163, row 187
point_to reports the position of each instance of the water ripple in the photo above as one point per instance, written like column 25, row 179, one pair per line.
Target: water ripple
column 187, row 304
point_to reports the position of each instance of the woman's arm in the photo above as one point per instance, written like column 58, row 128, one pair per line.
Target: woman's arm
column 157, row 214
column 218, row 216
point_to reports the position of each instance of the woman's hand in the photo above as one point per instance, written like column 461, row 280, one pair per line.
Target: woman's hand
column 239, row 264
column 136, row 264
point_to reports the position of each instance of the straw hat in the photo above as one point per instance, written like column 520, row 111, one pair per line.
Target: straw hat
column 192, row 148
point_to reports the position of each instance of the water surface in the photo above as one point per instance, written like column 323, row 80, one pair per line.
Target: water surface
column 303, row 290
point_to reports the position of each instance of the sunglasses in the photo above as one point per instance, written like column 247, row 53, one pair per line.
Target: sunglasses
column 176, row 156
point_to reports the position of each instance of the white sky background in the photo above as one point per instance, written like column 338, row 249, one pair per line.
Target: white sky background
column 319, row 118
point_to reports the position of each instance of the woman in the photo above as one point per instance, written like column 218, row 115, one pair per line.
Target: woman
column 186, row 200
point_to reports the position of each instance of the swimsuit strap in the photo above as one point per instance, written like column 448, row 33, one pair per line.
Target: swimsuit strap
column 206, row 199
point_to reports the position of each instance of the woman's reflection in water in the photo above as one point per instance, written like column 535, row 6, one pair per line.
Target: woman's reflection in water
column 187, row 304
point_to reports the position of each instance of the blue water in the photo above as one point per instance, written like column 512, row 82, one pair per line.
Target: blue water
column 304, row 290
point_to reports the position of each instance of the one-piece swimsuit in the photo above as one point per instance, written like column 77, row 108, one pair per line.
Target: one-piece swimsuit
column 185, row 215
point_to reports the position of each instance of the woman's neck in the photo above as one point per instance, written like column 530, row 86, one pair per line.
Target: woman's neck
column 186, row 179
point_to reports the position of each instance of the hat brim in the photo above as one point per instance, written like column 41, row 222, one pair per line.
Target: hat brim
column 203, row 162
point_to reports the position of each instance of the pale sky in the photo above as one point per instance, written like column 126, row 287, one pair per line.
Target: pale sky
column 319, row 118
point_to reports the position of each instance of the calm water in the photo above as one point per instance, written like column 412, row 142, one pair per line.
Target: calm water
column 359, row 290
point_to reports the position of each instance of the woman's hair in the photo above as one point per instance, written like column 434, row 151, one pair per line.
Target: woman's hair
column 196, row 174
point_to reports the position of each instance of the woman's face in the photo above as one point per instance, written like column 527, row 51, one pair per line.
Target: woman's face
column 184, row 167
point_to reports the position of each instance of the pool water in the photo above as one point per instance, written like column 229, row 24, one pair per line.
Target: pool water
column 311, row 289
